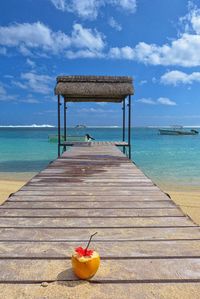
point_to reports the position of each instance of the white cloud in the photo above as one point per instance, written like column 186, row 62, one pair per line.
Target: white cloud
column 195, row 20
column 102, row 104
column 59, row 4
column 28, row 36
column 38, row 83
column 142, row 82
column 95, row 110
column 84, row 8
column 178, row 77
column 182, row 51
column 122, row 53
column 30, row 39
column 19, row 84
column 25, row 51
column 89, row 9
column 83, row 54
column 2, row 91
column 30, row 62
column 191, row 21
column 34, row 82
column 166, row 101
column 129, row 5
column 114, row 24
column 146, row 101
column 30, row 100
column 159, row 101
column 86, row 38
column 4, row 95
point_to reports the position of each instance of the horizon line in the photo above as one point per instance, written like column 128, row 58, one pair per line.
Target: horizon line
column 74, row 127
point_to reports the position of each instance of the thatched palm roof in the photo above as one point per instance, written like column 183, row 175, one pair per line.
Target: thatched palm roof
column 94, row 88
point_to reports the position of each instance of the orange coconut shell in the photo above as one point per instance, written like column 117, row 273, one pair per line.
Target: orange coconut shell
column 85, row 267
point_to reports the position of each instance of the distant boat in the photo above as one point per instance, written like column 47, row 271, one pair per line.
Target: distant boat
column 80, row 126
column 177, row 131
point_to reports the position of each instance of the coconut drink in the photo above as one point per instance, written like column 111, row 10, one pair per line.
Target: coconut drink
column 85, row 261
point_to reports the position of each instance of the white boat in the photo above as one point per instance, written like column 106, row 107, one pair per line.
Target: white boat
column 175, row 130
column 80, row 127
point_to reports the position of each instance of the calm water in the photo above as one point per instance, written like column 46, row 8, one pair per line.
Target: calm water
column 170, row 159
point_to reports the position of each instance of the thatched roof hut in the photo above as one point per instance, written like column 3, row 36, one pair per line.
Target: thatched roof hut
column 94, row 88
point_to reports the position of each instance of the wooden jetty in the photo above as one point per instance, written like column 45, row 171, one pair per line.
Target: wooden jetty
column 147, row 245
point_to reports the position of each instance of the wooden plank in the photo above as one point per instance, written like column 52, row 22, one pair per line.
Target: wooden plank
column 91, row 164
column 87, row 193
column 82, row 172
column 78, row 234
column 89, row 161
column 89, row 204
column 136, row 270
column 106, row 177
column 92, row 172
column 126, row 249
column 73, row 182
column 96, row 222
column 95, row 166
column 89, row 188
column 91, row 212
column 73, row 290
column 96, row 143
column 90, row 198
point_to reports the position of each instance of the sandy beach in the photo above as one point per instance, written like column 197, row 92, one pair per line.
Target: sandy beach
column 9, row 186
column 12, row 182
column 187, row 198
column 189, row 202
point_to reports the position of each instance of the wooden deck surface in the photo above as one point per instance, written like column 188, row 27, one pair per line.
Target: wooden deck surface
column 148, row 248
column 93, row 143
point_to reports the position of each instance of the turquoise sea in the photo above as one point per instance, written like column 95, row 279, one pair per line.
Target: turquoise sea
column 168, row 160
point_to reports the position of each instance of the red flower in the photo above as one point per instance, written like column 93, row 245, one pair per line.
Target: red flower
column 84, row 252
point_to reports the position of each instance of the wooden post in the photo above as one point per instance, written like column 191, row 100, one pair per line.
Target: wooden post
column 129, row 125
column 59, row 125
column 65, row 123
column 124, row 123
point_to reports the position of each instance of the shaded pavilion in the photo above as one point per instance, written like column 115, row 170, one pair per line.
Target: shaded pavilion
column 109, row 89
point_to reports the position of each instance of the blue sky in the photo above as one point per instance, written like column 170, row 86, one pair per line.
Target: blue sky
column 156, row 42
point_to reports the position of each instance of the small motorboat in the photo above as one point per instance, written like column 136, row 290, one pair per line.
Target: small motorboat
column 177, row 131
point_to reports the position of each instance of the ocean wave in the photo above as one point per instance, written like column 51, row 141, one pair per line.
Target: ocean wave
column 28, row 126
column 103, row 127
